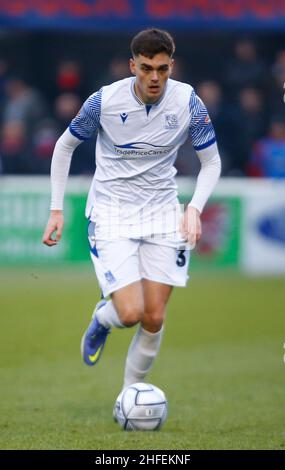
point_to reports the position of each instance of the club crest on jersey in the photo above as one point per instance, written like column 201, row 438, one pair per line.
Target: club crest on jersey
column 124, row 117
column 110, row 277
column 171, row 121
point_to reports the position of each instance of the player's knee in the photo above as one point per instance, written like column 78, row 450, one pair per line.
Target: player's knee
column 153, row 321
column 131, row 315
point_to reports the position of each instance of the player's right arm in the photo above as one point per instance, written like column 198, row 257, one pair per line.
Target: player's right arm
column 60, row 165
column 81, row 128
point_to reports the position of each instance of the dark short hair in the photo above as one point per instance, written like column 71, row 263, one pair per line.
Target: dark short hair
column 151, row 42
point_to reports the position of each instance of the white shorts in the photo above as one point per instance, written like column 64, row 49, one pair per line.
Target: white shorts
column 123, row 261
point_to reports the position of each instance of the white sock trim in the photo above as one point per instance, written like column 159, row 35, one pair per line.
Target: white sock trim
column 108, row 316
column 150, row 333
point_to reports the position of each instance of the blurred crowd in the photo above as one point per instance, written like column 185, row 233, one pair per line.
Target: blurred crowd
column 245, row 102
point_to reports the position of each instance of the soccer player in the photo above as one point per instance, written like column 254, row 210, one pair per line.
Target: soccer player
column 139, row 244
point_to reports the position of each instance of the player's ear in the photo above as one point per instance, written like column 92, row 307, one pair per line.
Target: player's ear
column 132, row 66
column 171, row 66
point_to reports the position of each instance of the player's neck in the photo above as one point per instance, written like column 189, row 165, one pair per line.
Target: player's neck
column 142, row 98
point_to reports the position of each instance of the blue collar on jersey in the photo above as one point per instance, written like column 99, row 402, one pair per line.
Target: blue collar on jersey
column 148, row 106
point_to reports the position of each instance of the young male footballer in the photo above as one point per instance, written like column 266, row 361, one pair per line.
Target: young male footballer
column 139, row 247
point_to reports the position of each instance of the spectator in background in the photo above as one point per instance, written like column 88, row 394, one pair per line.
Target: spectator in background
column 13, row 148
column 23, row 104
column 68, row 78
column 23, row 109
column 118, row 69
column 226, row 124
column 3, row 80
column 246, row 69
column 178, row 72
column 66, row 107
column 251, row 113
column 277, row 90
column 44, row 140
column 268, row 156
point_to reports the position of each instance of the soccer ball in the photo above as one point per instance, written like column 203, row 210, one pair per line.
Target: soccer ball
column 141, row 407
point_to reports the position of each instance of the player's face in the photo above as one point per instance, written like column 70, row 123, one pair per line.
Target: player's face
column 151, row 75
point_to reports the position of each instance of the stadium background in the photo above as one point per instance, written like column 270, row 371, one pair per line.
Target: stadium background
column 221, row 363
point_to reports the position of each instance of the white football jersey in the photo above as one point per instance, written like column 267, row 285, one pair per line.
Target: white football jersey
column 136, row 149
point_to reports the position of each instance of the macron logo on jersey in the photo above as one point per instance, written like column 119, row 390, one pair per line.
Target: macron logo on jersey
column 124, row 117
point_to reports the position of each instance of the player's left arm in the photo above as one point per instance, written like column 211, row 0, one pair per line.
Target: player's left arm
column 203, row 138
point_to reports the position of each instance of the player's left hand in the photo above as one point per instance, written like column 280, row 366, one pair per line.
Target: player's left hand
column 191, row 228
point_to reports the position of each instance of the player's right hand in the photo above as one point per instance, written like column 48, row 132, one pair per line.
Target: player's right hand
column 54, row 226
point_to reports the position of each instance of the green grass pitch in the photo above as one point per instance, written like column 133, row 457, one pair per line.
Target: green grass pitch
column 221, row 365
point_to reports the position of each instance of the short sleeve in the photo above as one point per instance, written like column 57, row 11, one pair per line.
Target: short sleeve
column 201, row 129
column 87, row 120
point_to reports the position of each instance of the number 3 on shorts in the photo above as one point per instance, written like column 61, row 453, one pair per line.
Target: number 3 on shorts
column 181, row 260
